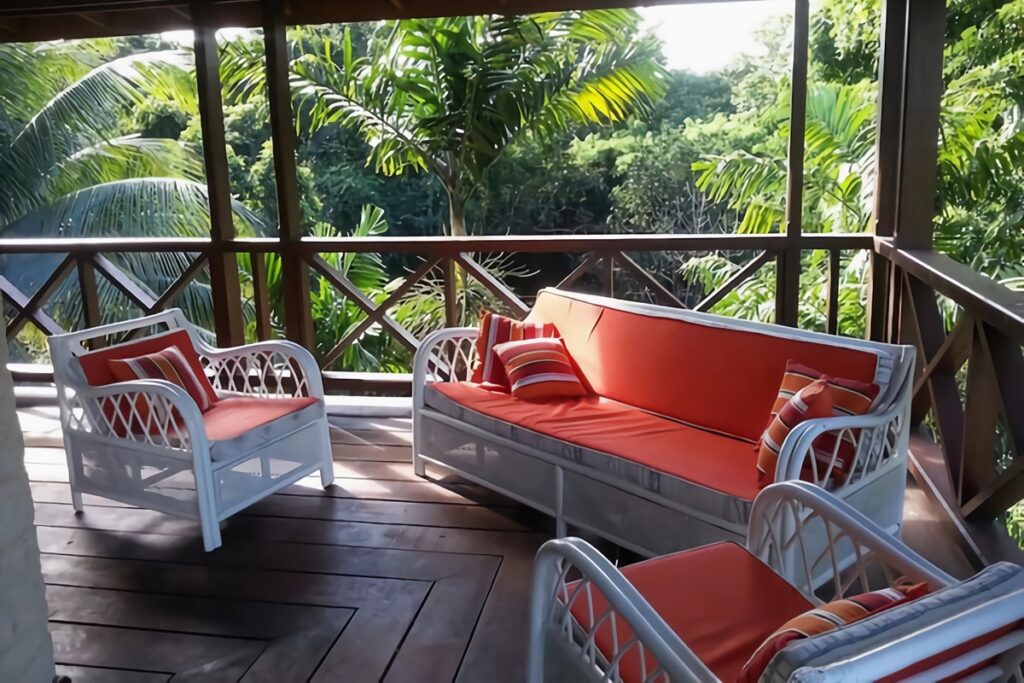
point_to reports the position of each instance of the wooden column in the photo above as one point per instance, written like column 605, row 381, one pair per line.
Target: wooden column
column 889, row 124
column 919, row 137
column 294, row 270
column 787, row 282
column 225, row 288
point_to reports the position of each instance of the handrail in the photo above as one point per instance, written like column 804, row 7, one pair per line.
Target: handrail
column 982, row 296
column 443, row 245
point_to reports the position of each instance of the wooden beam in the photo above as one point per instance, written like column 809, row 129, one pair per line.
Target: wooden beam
column 737, row 278
column 496, row 286
column 919, row 136
column 298, row 320
column 225, row 286
column 787, row 289
column 261, row 296
column 90, row 297
column 663, row 293
column 832, row 295
column 138, row 294
column 44, row 292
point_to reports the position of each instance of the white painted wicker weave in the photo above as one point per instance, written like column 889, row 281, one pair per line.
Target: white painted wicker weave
column 167, row 464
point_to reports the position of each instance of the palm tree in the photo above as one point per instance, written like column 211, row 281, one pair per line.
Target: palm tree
column 448, row 95
column 73, row 165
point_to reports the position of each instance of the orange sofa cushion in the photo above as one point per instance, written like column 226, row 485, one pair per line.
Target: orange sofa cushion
column 539, row 369
column 721, row 600
column 719, row 378
column 810, row 402
column 718, row 462
column 497, row 329
column 234, row 416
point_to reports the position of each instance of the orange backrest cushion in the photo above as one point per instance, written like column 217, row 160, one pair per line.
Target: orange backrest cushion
column 97, row 370
column 719, row 378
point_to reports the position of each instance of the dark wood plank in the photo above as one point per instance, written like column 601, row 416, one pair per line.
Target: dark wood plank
column 91, row 674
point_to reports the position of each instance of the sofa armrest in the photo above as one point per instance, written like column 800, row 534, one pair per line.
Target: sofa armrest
column 270, row 368
column 150, row 413
column 446, row 355
column 878, row 439
column 809, row 537
column 569, row 569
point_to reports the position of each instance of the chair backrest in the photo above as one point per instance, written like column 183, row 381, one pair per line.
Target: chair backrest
column 719, row 373
column 66, row 348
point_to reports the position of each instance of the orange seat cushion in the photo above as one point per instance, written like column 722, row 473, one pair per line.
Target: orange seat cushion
column 718, row 462
column 234, row 416
column 718, row 377
column 721, row 600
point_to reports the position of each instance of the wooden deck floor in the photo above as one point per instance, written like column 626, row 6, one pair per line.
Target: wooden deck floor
column 383, row 577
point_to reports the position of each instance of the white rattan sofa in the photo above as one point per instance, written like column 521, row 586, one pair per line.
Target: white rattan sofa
column 699, row 614
column 682, row 397
column 146, row 442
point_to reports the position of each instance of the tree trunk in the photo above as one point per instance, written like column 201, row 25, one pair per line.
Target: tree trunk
column 26, row 651
column 457, row 216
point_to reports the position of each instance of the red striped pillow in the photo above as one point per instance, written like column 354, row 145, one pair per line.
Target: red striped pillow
column 825, row 618
column 169, row 364
column 849, row 397
column 539, row 369
column 497, row 329
column 811, row 401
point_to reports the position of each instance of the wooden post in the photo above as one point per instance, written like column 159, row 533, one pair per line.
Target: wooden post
column 919, row 136
column 298, row 320
column 787, row 287
column 889, row 125
column 225, row 287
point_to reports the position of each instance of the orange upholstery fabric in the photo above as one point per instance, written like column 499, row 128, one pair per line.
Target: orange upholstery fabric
column 167, row 364
column 233, row 416
column 712, row 460
column 811, row 401
column 497, row 329
column 825, row 618
column 702, row 374
column 539, row 369
column 721, row 600
column 96, row 367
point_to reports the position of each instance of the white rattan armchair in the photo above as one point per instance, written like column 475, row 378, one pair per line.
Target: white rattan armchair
column 785, row 516
column 145, row 442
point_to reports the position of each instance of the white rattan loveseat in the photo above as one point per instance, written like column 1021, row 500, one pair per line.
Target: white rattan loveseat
column 696, row 388
column 699, row 615
column 145, row 442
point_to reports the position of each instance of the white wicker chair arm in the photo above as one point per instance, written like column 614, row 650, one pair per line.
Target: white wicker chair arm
column 148, row 411
column 786, row 515
column 874, row 436
column 276, row 368
column 445, row 356
column 549, row 611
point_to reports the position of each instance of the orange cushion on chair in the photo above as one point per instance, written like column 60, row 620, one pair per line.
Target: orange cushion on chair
column 721, row 600
column 539, row 369
column 810, row 402
column 849, row 397
column 497, row 329
column 96, row 366
column 167, row 364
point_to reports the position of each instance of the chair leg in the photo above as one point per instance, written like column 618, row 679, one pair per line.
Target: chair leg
column 76, row 500
column 208, row 518
column 327, row 468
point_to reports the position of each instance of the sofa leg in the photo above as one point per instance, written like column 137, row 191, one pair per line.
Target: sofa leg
column 419, row 467
column 327, row 468
column 211, row 536
column 76, row 500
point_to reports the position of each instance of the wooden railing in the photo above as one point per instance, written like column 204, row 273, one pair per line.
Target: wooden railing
column 969, row 391
column 605, row 259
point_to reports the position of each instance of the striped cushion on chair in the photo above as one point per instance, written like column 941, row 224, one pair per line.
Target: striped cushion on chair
column 169, row 364
column 811, row 401
column 539, row 369
column 828, row 617
column 849, row 397
column 497, row 329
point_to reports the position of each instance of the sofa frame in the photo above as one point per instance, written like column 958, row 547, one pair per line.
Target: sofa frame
column 635, row 517
column 169, row 464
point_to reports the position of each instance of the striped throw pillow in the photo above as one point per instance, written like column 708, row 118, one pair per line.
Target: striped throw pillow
column 539, row 369
column 826, row 618
column 811, row 401
column 849, row 397
column 497, row 329
column 169, row 364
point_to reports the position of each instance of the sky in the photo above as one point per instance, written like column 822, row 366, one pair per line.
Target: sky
column 708, row 36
